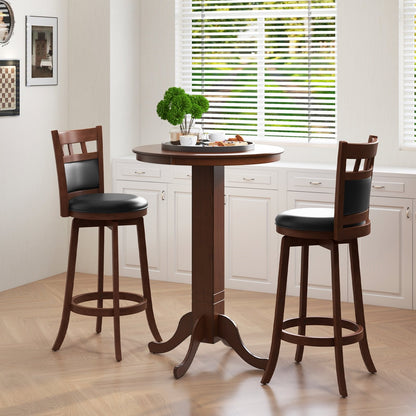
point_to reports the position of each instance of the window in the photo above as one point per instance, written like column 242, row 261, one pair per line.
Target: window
column 408, row 68
column 268, row 68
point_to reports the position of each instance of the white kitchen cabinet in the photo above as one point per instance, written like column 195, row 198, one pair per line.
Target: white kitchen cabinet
column 167, row 223
column 385, row 254
column 251, row 239
column 254, row 195
column 180, row 232
column 250, row 244
column 155, row 223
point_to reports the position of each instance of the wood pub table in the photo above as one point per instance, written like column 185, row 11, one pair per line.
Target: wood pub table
column 207, row 322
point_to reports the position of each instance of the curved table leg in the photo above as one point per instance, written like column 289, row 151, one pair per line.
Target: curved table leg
column 183, row 331
column 228, row 331
column 197, row 336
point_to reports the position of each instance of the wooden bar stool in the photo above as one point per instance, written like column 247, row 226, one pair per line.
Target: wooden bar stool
column 79, row 164
column 327, row 227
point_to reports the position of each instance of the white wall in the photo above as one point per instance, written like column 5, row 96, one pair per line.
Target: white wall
column 368, row 77
column 89, row 66
column 157, row 65
column 33, row 236
column 104, row 89
column 89, row 93
column 124, row 76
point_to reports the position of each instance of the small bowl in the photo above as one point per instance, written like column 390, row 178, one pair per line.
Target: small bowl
column 188, row 140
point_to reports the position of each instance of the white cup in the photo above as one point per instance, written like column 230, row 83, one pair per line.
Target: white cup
column 188, row 140
column 216, row 137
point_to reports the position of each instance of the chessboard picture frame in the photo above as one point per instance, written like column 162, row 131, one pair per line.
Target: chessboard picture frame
column 9, row 87
column 41, row 50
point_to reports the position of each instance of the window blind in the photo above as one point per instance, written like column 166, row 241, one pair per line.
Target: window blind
column 268, row 68
column 408, row 67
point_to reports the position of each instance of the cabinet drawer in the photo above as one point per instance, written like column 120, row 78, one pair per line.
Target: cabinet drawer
column 311, row 181
column 393, row 186
column 137, row 170
column 251, row 178
column 182, row 172
column 383, row 186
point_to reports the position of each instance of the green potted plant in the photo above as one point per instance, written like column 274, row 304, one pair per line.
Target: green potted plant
column 180, row 108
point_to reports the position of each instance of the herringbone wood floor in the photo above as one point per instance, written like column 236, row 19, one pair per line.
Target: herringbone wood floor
column 83, row 378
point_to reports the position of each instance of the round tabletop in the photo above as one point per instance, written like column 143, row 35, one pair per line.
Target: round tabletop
column 153, row 153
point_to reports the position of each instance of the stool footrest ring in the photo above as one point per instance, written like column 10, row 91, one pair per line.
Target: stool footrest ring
column 356, row 336
column 140, row 304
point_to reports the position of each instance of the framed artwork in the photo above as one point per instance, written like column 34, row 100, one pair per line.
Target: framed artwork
column 6, row 22
column 41, row 50
column 9, row 88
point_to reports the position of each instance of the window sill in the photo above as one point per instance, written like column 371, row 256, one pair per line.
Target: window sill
column 407, row 146
column 328, row 143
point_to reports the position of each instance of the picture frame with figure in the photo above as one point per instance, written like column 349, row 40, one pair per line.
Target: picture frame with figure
column 41, row 50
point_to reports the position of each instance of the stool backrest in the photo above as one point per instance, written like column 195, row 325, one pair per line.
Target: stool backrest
column 79, row 163
column 353, row 187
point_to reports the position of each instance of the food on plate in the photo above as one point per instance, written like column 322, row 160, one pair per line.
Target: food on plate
column 237, row 138
column 234, row 141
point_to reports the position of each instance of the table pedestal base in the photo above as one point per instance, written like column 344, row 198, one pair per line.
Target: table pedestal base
column 207, row 322
column 226, row 330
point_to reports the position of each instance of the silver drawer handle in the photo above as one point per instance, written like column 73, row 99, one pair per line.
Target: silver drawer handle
column 189, row 175
column 408, row 212
column 137, row 172
column 315, row 183
column 249, row 179
column 378, row 186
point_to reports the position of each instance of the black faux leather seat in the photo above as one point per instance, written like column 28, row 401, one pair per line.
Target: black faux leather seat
column 307, row 219
column 81, row 191
column 107, row 203
column 328, row 227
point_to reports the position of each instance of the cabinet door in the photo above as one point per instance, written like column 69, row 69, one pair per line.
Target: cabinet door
column 319, row 258
column 155, row 223
column 386, row 254
column 180, row 232
column 250, row 239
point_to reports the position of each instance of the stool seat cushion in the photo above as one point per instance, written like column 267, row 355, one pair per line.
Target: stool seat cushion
column 307, row 219
column 107, row 203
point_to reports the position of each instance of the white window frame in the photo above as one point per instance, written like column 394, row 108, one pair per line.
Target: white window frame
column 183, row 59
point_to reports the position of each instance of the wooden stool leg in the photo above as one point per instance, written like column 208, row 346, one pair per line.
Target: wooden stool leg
column 358, row 304
column 336, row 306
column 144, row 269
column 279, row 311
column 69, row 286
column 303, row 300
column 116, row 294
column 100, row 288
